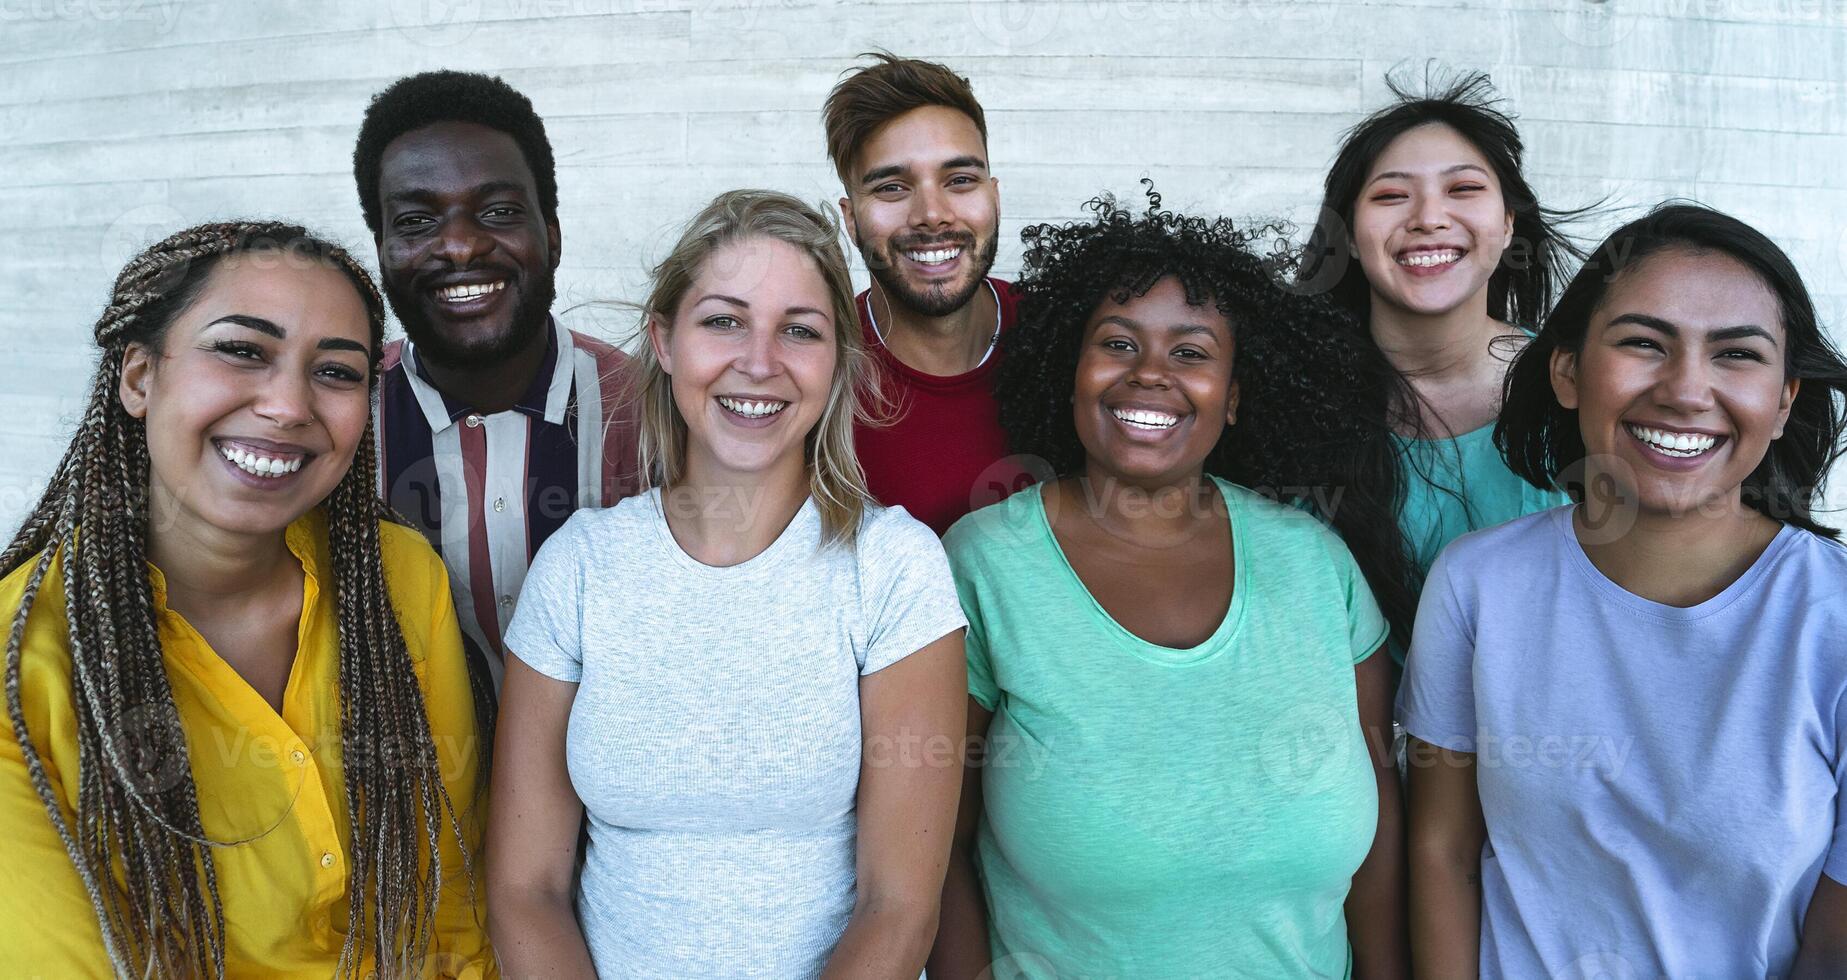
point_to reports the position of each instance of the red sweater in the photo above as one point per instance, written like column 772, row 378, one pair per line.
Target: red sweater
column 945, row 453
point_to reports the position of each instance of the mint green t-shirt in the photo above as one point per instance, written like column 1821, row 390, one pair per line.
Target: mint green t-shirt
column 1152, row 812
column 1457, row 485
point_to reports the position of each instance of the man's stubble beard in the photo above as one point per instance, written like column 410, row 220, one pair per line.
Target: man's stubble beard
column 933, row 303
column 531, row 314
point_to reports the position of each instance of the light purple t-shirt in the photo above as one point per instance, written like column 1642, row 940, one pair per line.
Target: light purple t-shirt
column 1662, row 786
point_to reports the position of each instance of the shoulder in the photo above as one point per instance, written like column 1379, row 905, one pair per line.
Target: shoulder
column 603, row 352
column 1278, row 528
column 893, row 531
column 414, row 573
column 998, row 528
column 1822, row 561
column 1535, row 532
column 46, row 642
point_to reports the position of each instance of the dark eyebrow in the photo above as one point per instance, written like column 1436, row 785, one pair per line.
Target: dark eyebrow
column 1401, row 175
column 722, row 298
column 1183, row 330
column 880, row 173
column 809, row 310
column 269, row 327
column 964, row 163
column 1718, row 335
column 417, row 195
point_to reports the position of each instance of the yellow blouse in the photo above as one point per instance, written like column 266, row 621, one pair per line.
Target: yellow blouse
column 275, row 778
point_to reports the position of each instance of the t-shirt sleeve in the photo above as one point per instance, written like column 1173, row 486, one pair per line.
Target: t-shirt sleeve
column 1836, row 865
column 546, row 633
column 981, row 684
column 1436, row 703
column 1366, row 625
column 910, row 596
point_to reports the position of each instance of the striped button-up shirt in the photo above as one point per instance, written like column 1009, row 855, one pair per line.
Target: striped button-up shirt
column 488, row 489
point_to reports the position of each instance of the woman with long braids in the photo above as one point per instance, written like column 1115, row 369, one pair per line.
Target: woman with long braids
column 1185, row 713
column 242, row 740
column 1432, row 239
column 1628, row 717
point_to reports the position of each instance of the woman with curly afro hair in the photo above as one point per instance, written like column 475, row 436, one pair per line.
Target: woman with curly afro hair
column 1173, row 675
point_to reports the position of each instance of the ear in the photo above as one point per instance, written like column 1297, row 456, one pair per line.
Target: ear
column 1783, row 406
column 137, row 369
column 846, row 219
column 660, row 335
column 1507, row 235
column 557, row 241
column 1565, row 378
column 1231, row 403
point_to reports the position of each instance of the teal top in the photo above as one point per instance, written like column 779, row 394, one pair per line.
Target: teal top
column 1454, row 486
column 1155, row 812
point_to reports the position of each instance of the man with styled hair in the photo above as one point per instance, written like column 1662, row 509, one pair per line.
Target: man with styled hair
column 495, row 423
column 910, row 143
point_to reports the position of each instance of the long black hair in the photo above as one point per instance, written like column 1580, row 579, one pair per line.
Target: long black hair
column 1520, row 289
column 1541, row 438
column 1311, row 414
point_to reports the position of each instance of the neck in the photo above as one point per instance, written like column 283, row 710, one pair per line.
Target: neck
column 1147, row 513
column 206, row 567
column 1674, row 559
column 723, row 517
column 945, row 345
column 496, row 387
column 1437, row 346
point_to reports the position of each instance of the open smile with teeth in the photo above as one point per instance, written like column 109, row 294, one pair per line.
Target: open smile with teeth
column 259, row 465
column 468, row 291
column 1682, row 444
column 1425, row 260
column 934, row 256
column 751, row 409
column 1143, row 419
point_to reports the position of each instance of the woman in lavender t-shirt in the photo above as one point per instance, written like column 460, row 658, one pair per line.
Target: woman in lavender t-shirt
column 1628, row 717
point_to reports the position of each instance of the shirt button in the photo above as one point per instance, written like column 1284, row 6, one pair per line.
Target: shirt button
column 506, row 601
column 327, row 860
column 500, row 503
column 298, row 756
column 474, row 421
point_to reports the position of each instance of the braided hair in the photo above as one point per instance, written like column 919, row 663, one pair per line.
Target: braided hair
column 1311, row 424
column 163, row 915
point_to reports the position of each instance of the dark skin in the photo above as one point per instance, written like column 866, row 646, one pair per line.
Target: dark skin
column 459, row 206
column 1149, row 536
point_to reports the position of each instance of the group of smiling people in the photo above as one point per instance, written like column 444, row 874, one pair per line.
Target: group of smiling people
column 1046, row 629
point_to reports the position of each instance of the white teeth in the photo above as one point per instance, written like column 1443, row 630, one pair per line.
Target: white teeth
column 1143, row 419
column 459, row 293
column 259, row 465
column 752, row 409
column 1674, row 443
column 934, row 256
column 1427, row 259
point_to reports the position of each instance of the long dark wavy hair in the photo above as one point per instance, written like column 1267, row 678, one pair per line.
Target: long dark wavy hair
column 163, row 916
column 1541, row 438
column 1520, row 289
column 1311, row 427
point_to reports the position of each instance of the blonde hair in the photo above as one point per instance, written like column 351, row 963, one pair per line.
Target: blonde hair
column 835, row 479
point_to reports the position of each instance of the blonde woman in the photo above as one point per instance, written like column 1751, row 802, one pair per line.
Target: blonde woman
column 242, row 738
column 748, row 678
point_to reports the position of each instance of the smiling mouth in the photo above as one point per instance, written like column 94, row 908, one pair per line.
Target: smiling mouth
column 1144, row 419
column 258, row 464
column 1430, row 259
column 468, row 291
column 750, row 408
column 934, row 256
column 1683, row 445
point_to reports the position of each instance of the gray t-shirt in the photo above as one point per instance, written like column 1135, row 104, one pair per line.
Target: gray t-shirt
column 715, row 736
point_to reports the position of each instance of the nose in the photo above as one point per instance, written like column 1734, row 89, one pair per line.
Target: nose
column 460, row 243
column 287, row 400
column 1685, row 385
column 930, row 207
column 757, row 360
column 1149, row 371
column 1429, row 213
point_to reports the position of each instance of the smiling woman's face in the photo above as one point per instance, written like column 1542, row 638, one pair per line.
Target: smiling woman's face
column 1154, row 386
column 257, row 399
column 1681, row 383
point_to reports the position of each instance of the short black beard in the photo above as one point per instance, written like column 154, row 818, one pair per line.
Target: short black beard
column 531, row 315
column 933, row 303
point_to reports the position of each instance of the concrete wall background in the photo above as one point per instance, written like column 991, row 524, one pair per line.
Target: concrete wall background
column 122, row 120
